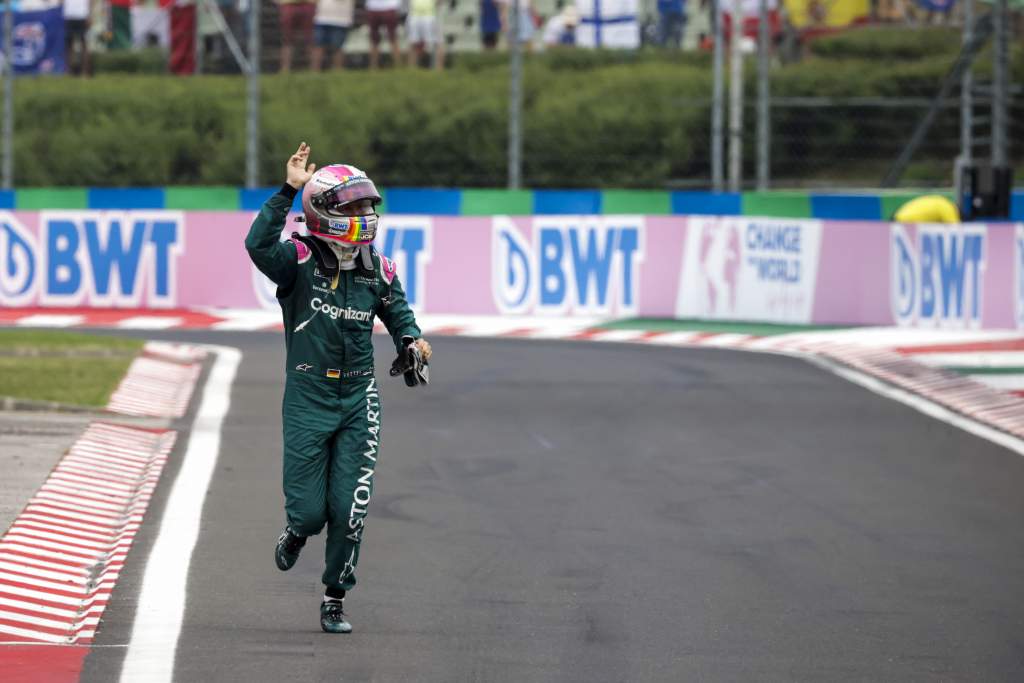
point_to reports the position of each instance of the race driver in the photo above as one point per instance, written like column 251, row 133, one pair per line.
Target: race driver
column 331, row 284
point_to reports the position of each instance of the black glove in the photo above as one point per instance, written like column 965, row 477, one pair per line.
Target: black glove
column 410, row 364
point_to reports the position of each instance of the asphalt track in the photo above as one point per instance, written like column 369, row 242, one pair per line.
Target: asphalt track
column 557, row 511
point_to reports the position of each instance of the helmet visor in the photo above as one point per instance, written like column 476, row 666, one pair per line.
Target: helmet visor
column 348, row 191
column 349, row 229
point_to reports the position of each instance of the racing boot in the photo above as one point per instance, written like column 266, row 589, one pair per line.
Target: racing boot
column 288, row 548
column 332, row 616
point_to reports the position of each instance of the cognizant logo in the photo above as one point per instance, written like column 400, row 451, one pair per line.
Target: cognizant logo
column 336, row 312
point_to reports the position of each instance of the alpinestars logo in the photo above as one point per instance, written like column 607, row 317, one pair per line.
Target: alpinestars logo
column 336, row 312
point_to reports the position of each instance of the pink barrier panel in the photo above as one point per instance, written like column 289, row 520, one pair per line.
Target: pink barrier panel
column 738, row 268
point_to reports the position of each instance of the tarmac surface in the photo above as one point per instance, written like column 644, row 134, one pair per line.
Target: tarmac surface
column 557, row 511
column 31, row 444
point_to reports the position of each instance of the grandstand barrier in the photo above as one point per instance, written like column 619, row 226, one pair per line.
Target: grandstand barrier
column 726, row 268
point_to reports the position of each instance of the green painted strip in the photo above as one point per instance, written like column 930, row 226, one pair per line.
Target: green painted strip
column 717, row 326
column 647, row 202
column 38, row 198
column 970, row 370
column 201, row 198
column 497, row 202
column 777, row 204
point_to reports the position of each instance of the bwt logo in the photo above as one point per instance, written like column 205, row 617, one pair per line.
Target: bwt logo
column 407, row 241
column 94, row 258
column 583, row 265
column 404, row 239
column 937, row 281
column 17, row 263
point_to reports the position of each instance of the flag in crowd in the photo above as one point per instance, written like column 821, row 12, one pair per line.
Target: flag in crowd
column 37, row 39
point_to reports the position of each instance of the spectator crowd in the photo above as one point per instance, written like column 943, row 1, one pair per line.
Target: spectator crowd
column 206, row 35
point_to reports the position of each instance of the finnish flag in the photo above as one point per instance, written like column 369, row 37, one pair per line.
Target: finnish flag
column 608, row 23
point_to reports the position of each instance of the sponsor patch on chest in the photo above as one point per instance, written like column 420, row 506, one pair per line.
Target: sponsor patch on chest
column 336, row 312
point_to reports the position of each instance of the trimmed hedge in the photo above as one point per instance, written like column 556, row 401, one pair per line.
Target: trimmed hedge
column 889, row 43
column 621, row 125
column 144, row 61
column 591, row 119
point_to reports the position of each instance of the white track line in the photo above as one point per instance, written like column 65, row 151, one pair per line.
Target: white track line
column 50, row 320
column 920, row 404
column 617, row 336
column 892, row 337
column 972, row 359
column 725, row 340
column 248, row 321
column 148, row 322
column 1002, row 382
column 491, row 328
column 161, row 608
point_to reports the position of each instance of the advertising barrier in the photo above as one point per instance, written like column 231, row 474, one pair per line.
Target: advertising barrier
column 727, row 268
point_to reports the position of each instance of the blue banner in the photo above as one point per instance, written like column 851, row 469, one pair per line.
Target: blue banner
column 937, row 5
column 39, row 41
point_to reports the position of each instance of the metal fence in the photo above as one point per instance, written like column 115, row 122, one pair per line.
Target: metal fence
column 779, row 142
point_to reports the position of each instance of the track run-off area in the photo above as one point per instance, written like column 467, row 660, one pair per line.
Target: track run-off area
column 572, row 511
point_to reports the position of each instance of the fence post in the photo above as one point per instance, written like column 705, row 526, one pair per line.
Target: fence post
column 515, row 101
column 763, row 113
column 8, row 157
column 1000, row 89
column 252, row 147
column 717, row 108
column 736, row 98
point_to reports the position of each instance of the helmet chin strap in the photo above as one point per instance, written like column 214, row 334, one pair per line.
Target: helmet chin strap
column 364, row 256
column 347, row 255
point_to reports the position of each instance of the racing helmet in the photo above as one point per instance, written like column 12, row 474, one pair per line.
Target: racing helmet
column 325, row 195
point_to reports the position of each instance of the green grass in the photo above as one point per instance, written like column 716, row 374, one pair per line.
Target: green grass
column 67, row 367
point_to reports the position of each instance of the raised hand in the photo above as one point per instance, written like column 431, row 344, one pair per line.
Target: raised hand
column 298, row 171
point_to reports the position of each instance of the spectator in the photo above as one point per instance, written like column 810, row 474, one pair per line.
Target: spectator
column 216, row 56
column 296, row 28
column 331, row 27
column 383, row 13
column 421, row 29
column 526, row 26
column 76, row 26
column 120, row 32
column 442, row 40
column 671, row 23
column 182, row 60
column 490, row 23
column 560, row 29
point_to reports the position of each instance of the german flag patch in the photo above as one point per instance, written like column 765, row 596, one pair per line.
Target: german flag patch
column 333, row 374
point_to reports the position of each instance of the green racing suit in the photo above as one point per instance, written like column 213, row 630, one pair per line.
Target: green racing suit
column 331, row 411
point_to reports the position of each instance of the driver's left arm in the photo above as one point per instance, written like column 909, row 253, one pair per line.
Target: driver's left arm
column 397, row 317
